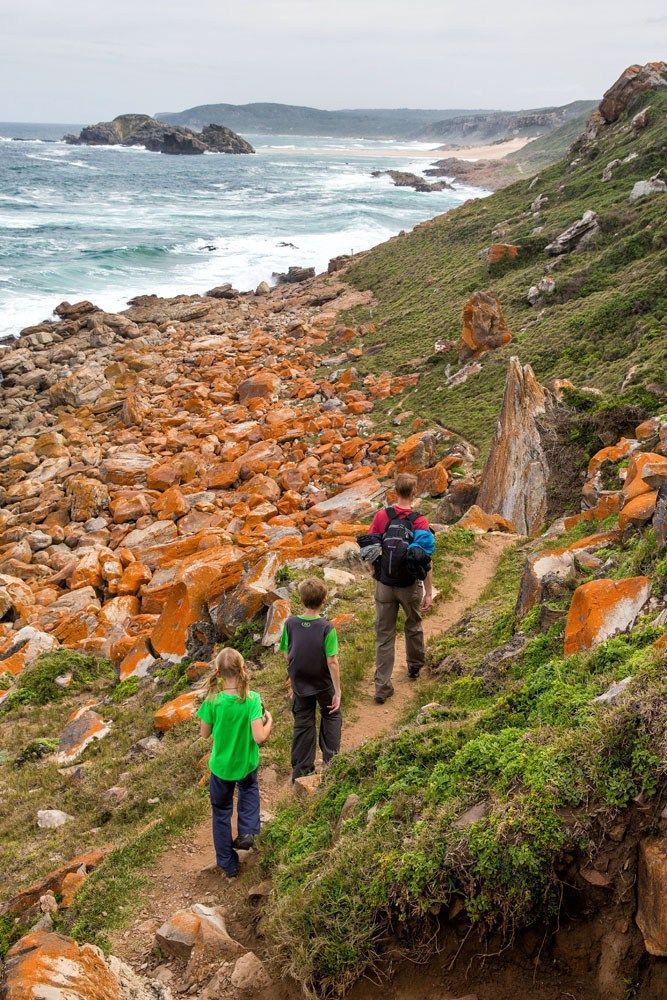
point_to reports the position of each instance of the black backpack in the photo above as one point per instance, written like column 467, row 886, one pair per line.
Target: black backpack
column 394, row 570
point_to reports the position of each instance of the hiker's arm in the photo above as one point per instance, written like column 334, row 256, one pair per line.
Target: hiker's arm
column 428, row 591
column 261, row 729
column 334, row 670
column 204, row 730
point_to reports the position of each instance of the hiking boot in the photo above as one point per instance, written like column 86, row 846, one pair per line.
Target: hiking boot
column 413, row 674
column 381, row 698
column 245, row 842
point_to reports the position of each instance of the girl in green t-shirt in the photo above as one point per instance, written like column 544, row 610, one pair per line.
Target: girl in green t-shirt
column 233, row 715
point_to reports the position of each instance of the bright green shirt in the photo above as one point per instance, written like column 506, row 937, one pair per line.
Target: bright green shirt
column 235, row 753
column 330, row 639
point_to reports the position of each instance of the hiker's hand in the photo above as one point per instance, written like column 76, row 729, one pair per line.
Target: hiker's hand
column 335, row 704
column 268, row 719
column 427, row 602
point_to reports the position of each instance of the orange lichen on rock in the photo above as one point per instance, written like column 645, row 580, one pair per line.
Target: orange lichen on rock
column 479, row 522
column 178, row 710
column 601, row 609
column 646, row 472
column 44, row 964
column 484, row 326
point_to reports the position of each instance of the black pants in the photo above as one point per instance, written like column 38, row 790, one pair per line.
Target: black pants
column 304, row 710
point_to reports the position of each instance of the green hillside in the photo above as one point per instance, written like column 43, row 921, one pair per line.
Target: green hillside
column 605, row 321
column 545, row 150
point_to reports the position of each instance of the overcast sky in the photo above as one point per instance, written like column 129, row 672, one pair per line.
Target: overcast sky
column 87, row 60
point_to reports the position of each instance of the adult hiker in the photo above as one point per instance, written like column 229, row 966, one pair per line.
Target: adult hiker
column 399, row 547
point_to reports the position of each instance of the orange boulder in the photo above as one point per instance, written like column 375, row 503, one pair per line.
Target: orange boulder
column 484, row 326
column 53, row 882
column 415, row 453
column 479, row 522
column 261, row 386
column 276, row 617
column 602, row 608
column 44, row 964
column 83, row 726
column 88, row 497
column 199, row 580
column 638, row 511
column 178, row 710
column 646, row 471
column 136, row 661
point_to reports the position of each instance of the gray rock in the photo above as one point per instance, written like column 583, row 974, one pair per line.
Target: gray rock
column 472, row 815
column 613, row 692
column 579, row 233
column 644, row 189
column 51, row 819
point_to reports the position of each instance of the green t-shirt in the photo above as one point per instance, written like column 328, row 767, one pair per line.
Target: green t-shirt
column 235, row 753
column 330, row 639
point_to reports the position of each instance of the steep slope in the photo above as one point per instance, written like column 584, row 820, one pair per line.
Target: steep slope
column 600, row 326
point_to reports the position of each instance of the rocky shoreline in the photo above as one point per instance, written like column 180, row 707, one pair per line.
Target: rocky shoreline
column 142, row 130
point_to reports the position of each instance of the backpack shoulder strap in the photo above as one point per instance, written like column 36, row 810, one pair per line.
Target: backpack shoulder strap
column 412, row 517
column 391, row 514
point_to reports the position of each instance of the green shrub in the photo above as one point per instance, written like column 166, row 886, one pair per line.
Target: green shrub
column 36, row 684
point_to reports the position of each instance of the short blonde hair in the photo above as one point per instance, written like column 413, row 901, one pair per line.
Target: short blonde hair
column 313, row 593
column 405, row 485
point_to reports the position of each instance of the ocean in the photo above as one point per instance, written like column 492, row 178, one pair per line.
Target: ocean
column 109, row 223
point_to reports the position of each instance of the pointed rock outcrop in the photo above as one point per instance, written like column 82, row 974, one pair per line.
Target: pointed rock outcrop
column 514, row 481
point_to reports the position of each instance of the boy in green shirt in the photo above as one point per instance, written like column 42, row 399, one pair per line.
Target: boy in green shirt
column 311, row 644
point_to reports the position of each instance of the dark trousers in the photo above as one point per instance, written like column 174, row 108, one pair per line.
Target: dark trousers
column 222, row 804
column 304, row 710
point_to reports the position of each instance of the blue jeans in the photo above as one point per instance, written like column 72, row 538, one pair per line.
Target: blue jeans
column 222, row 804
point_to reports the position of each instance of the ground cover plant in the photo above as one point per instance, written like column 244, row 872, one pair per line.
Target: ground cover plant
column 476, row 798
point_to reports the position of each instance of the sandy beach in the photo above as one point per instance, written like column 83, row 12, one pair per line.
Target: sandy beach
column 494, row 151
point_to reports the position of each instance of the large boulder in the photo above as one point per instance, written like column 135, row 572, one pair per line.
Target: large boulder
column 601, row 609
column 632, row 83
column 47, row 966
column 484, row 326
column 52, row 966
column 514, row 481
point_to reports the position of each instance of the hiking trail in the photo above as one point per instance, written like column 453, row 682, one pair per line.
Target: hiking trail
column 180, row 877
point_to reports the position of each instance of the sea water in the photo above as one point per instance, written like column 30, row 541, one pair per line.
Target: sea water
column 108, row 223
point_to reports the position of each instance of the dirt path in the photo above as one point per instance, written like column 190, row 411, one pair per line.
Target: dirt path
column 180, row 877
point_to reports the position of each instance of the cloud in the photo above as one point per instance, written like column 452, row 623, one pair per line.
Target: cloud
column 81, row 61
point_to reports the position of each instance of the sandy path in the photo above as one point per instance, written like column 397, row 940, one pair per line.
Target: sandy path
column 180, row 878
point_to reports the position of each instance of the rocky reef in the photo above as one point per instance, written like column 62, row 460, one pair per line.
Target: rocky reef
column 142, row 130
column 403, row 178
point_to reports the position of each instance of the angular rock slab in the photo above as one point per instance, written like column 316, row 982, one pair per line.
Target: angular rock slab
column 516, row 474
column 601, row 609
column 83, row 726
